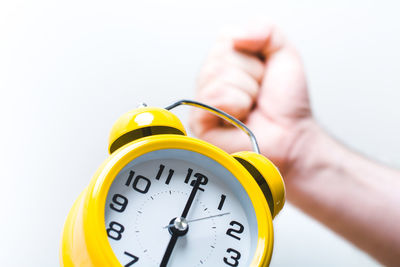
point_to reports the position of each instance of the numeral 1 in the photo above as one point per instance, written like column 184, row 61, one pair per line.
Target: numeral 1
column 221, row 202
column 188, row 175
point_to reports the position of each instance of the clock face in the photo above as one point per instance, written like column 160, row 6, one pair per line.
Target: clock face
column 183, row 201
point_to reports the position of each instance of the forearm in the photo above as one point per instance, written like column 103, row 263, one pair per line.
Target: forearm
column 352, row 195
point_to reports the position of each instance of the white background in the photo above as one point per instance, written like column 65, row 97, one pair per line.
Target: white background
column 69, row 69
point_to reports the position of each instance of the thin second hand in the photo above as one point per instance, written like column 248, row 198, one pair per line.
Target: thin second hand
column 199, row 219
column 209, row 217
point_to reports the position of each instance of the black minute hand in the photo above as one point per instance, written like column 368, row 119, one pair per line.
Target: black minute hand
column 191, row 197
column 175, row 234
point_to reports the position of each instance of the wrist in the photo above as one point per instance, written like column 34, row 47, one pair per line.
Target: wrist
column 312, row 154
column 302, row 154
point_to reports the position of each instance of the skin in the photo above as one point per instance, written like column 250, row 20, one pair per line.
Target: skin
column 256, row 75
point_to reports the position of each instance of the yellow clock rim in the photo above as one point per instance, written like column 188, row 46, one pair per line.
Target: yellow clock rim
column 98, row 246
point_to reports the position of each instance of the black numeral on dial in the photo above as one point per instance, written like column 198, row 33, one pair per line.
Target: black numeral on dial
column 234, row 259
column 134, row 259
column 232, row 231
column 236, row 229
column 119, row 203
column 188, row 175
column 140, row 183
column 160, row 172
column 221, row 202
column 203, row 180
column 115, row 230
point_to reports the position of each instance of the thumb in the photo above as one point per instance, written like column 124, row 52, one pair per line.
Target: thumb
column 258, row 38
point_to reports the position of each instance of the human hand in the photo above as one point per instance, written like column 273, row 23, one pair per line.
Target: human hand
column 257, row 76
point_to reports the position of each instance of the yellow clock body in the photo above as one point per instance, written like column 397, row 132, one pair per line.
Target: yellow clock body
column 146, row 136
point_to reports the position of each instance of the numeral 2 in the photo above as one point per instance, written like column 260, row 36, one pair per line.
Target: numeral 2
column 203, row 178
column 231, row 231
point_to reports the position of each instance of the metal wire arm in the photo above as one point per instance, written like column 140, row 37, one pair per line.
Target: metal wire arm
column 222, row 115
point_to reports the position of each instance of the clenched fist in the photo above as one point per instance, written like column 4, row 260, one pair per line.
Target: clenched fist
column 257, row 76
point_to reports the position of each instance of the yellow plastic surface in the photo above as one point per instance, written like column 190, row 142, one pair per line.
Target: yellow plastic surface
column 271, row 175
column 142, row 118
column 85, row 242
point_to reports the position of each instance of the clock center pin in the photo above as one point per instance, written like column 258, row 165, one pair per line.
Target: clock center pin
column 179, row 226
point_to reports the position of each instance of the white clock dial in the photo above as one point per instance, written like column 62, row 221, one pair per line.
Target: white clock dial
column 218, row 229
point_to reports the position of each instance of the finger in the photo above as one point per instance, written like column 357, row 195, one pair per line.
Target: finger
column 226, row 97
column 233, row 91
column 229, row 75
column 250, row 64
column 224, row 54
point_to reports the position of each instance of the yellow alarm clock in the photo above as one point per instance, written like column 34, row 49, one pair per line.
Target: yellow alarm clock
column 165, row 199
